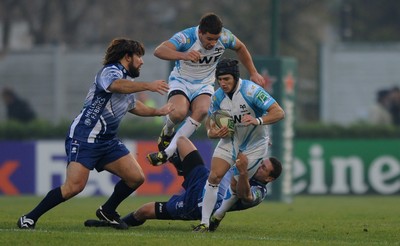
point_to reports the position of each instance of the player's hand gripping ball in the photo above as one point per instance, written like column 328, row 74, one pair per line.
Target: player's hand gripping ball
column 223, row 118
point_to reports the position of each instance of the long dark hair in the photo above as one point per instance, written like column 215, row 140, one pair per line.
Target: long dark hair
column 121, row 46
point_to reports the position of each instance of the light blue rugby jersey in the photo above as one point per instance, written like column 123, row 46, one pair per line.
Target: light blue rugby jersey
column 203, row 71
column 249, row 98
column 258, row 190
column 102, row 110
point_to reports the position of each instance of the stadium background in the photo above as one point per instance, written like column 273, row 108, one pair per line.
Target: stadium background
column 344, row 54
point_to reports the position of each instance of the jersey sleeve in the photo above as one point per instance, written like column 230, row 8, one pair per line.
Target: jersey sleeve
column 262, row 99
column 215, row 101
column 259, row 98
column 107, row 76
column 183, row 40
column 258, row 192
column 227, row 39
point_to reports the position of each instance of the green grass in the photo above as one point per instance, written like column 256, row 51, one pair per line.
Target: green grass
column 321, row 220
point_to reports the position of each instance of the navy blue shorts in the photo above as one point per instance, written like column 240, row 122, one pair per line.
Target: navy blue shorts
column 94, row 155
column 186, row 205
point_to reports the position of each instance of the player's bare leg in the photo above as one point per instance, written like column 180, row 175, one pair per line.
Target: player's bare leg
column 199, row 109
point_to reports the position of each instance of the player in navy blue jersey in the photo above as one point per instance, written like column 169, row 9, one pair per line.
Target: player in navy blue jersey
column 196, row 52
column 187, row 205
column 91, row 141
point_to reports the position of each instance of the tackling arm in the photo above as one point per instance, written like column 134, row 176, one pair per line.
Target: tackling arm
column 142, row 109
column 242, row 186
column 125, row 86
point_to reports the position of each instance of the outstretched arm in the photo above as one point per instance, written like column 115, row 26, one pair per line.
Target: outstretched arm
column 125, row 86
column 242, row 186
column 142, row 109
column 167, row 51
column 245, row 58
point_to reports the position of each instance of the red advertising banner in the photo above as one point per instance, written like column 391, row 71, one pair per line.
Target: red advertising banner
column 35, row 167
column 159, row 180
column 17, row 168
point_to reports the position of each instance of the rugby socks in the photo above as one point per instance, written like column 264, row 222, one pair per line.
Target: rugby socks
column 52, row 199
column 229, row 199
column 121, row 192
column 169, row 126
column 209, row 200
column 130, row 220
column 187, row 129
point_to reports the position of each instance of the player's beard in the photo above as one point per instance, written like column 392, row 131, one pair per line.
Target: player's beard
column 133, row 71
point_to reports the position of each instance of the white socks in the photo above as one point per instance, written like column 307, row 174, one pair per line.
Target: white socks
column 229, row 199
column 187, row 129
column 209, row 200
column 169, row 126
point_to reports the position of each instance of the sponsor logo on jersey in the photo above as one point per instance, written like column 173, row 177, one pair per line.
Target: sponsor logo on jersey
column 251, row 90
column 112, row 75
column 181, row 38
column 208, row 59
column 88, row 122
column 227, row 37
column 94, row 109
column 219, row 50
column 224, row 37
column 262, row 96
column 232, row 38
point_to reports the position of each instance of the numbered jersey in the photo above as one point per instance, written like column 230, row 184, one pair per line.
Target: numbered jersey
column 249, row 98
column 203, row 71
column 102, row 110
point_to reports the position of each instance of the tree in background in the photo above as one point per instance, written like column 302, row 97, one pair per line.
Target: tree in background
column 304, row 25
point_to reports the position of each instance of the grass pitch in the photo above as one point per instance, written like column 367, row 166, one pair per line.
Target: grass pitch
column 309, row 220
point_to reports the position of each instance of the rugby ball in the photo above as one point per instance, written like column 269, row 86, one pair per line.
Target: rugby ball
column 223, row 118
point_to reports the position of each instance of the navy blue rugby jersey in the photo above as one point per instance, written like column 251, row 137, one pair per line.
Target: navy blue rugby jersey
column 102, row 110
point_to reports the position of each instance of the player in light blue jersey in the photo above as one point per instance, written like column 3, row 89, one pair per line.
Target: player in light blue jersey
column 187, row 205
column 91, row 142
column 251, row 108
column 196, row 52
